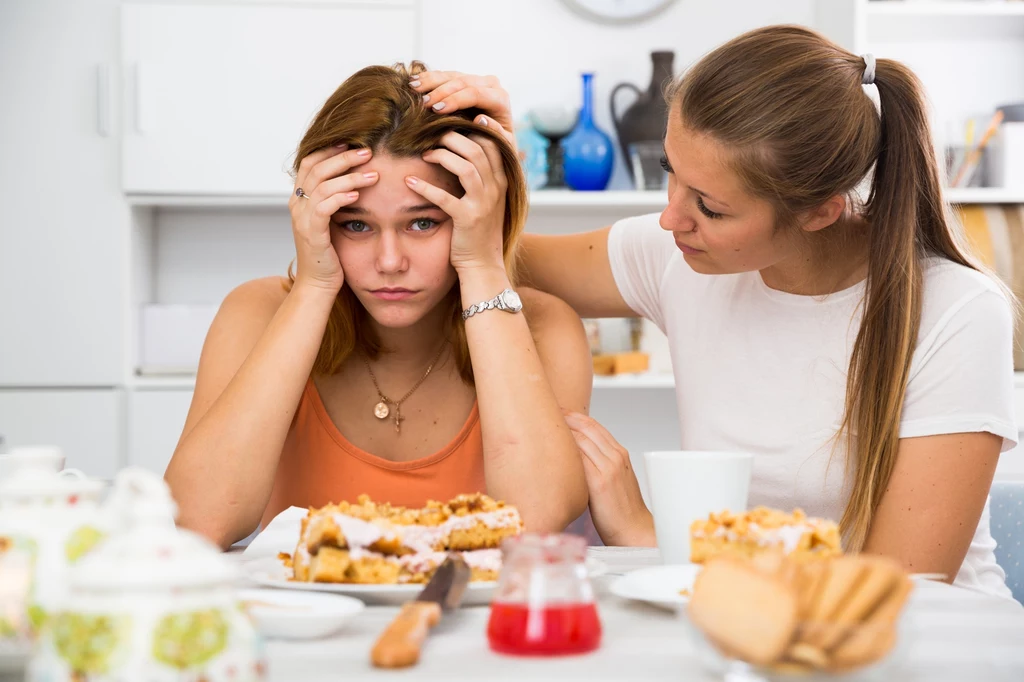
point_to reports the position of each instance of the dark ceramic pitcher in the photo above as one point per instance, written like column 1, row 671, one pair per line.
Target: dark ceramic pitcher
column 645, row 120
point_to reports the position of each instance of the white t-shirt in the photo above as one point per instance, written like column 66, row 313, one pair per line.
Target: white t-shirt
column 762, row 371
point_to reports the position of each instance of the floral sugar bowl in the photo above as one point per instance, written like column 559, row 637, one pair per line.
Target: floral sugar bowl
column 152, row 604
column 48, row 522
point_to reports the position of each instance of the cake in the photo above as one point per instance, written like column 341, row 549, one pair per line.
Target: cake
column 752, row 532
column 377, row 543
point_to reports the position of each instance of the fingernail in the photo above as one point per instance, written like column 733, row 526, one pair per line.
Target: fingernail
column 370, row 175
column 411, row 180
column 343, row 145
column 414, row 84
column 439, row 106
column 353, row 195
column 363, row 152
column 426, row 98
column 482, row 121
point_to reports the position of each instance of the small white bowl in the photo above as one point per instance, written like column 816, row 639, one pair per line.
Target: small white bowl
column 281, row 614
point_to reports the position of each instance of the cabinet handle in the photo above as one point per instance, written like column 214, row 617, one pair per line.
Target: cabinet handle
column 103, row 100
column 141, row 117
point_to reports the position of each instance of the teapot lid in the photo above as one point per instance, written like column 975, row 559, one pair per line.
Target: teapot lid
column 149, row 552
column 34, row 484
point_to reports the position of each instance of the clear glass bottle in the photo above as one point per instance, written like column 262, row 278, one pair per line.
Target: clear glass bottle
column 544, row 604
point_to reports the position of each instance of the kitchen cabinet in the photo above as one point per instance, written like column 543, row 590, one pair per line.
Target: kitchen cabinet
column 83, row 423
column 217, row 97
column 155, row 421
column 63, row 220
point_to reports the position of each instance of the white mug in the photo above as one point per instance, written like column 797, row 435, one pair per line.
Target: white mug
column 47, row 457
column 685, row 486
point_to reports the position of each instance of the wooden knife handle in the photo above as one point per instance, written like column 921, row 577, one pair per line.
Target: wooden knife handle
column 400, row 643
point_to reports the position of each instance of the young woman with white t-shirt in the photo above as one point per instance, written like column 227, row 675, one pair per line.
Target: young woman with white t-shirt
column 853, row 346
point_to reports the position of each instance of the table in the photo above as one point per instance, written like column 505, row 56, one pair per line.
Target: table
column 951, row 634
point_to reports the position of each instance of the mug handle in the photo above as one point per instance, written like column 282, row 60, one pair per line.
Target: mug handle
column 72, row 473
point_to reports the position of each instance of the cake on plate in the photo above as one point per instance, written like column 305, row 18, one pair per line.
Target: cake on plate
column 376, row 543
column 749, row 533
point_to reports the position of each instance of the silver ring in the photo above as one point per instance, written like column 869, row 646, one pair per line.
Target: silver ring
column 300, row 193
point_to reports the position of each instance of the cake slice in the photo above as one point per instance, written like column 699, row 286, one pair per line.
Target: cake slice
column 753, row 532
column 370, row 542
column 478, row 522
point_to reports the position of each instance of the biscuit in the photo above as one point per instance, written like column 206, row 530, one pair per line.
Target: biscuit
column 746, row 611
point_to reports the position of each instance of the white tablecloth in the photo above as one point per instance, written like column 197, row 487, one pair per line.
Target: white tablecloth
column 950, row 634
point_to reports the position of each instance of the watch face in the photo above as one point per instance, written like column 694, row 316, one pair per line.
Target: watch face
column 511, row 300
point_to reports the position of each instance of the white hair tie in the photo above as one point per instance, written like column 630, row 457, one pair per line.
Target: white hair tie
column 869, row 70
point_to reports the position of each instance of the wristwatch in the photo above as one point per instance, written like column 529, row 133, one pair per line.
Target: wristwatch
column 507, row 300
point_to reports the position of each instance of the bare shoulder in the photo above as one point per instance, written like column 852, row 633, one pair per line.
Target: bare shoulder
column 562, row 348
column 262, row 295
column 244, row 315
column 547, row 315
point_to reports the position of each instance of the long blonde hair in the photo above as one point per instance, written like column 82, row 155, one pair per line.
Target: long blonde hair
column 375, row 108
column 790, row 106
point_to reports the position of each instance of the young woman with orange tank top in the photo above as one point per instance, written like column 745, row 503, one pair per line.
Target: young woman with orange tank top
column 399, row 360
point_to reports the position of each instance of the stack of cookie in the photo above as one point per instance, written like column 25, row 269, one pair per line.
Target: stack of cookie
column 836, row 614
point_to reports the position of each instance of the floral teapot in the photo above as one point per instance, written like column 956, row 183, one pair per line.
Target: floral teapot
column 48, row 522
column 152, row 604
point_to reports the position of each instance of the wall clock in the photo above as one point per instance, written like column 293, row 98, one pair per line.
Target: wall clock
column 618, row 11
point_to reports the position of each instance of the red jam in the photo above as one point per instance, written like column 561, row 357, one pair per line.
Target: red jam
column 563, row 629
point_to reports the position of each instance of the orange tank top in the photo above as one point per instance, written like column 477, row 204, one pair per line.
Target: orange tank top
column 319, row 466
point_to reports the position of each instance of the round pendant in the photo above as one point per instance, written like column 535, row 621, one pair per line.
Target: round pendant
column 381, row 410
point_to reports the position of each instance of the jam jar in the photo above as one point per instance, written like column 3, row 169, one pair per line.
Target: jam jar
column 544, row 604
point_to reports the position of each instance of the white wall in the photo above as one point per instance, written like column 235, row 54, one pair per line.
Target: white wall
column 964, row 68
column 538, row 48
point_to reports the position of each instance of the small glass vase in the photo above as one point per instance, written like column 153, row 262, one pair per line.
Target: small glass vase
column 588, row 150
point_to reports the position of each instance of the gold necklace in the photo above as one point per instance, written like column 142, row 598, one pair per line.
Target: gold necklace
column 381, row 409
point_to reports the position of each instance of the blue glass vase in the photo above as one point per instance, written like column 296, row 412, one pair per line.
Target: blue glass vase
column 588, row 149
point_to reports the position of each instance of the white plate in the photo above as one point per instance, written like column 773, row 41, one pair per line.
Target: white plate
column 295, row 615
column 271, row 573
column 657, row 585
column 477, row 594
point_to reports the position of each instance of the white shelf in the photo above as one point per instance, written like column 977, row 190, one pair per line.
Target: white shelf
column 625, row 381
column 984, row 195
column 975, row 8
column 938, row 22
column 540, row 199
column 172, row 382
column 643, row 380
column 188, row 382
column 209, row 200
column 610, row 199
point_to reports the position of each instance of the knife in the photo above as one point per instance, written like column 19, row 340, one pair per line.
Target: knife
column 400, row 643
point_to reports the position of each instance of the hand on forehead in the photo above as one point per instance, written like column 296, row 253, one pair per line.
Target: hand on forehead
column 394, row 170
